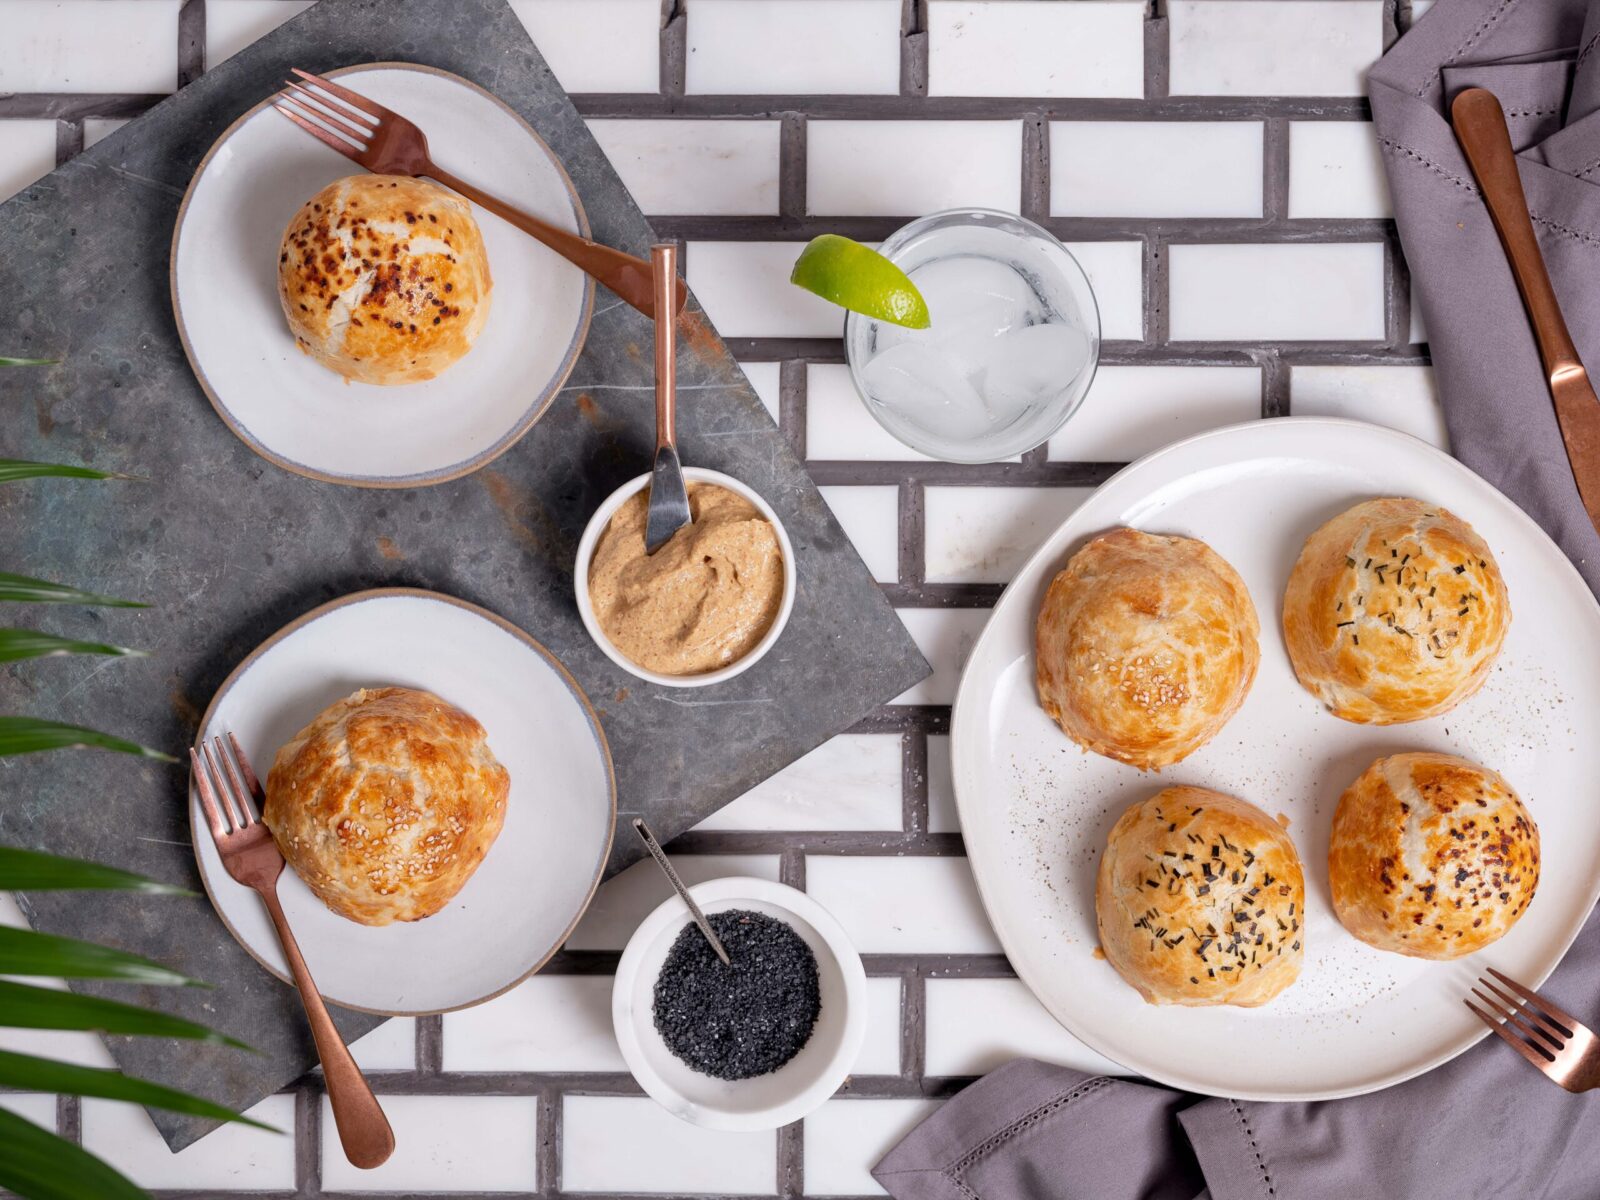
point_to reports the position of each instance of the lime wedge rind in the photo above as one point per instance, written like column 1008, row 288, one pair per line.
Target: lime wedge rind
column 857, row 277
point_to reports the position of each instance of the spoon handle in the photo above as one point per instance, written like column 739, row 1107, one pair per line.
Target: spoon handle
column 664, row 261
column 660, row 855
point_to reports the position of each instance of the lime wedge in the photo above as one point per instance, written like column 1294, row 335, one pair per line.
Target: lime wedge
column 857, row 277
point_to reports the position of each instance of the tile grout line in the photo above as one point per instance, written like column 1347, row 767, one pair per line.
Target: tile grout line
column 792, row 168
column 1275, row 169
column 913, row 48
column 191, row 41
column 791, row 1160
column 792, row 403
column 674, row 52
column 1035, row 190
column 547, row 1149
column 914, row 782
column 308, row 1141
column 1157, row 52
column 69, row 1118
column 69, row 141
column 913, row 521
column 914, row 1026
column 430, row 1044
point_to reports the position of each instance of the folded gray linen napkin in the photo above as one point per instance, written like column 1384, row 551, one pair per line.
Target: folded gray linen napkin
column 1486, row 1125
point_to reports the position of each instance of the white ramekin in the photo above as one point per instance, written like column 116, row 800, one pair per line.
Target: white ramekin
column 591, row 536
column 768, row 1101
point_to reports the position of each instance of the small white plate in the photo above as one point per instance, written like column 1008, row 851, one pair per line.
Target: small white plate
column 302, row 416
column 539, row 875
column 768, row 1101
column 1035, row 809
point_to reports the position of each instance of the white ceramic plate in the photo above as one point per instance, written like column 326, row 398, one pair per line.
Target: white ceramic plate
column 1035, row 810
column 302, row 416
column 539, row 875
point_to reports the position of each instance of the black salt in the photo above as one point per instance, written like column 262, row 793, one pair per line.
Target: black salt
column 746, row 1018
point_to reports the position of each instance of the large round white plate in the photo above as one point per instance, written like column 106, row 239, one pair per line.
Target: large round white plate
column 540, row 873
column 302, row 416
column 1035, row 810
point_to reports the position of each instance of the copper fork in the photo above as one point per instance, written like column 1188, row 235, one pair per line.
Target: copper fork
column 386, row 143
column 228, row 790
column 1551, row 1039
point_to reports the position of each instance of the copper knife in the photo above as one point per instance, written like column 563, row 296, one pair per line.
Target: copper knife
column 1480, row 126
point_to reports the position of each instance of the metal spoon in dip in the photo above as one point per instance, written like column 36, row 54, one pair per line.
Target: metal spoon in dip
column 669, row 501
column 660, row 855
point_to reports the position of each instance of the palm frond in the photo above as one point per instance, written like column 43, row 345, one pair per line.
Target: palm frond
column 35, row 871
column 26, row 952
column 28, row 362
column 19, row 644
column 25, row 1072
column 20, row 468
column 24, row 1006
column 23, row 589
column 42, row 1166
column 29, row 735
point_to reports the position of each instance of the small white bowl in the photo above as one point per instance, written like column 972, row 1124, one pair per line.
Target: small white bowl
column 768, row 1101
column 591, row 536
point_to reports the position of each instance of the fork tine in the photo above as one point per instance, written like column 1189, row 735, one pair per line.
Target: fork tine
column 1557, row 1016
column 317, row 131
column 1551, row 1031
column 335, row 109
column 367, row 106
column 1510, row 1038
column 245, row 768
column 208, row 798
column 241, row 794
column 1517, row 1018
column 219, row 781
column 333, row 124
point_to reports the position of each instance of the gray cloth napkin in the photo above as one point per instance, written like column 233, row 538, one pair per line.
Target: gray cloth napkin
column 1486, row 1125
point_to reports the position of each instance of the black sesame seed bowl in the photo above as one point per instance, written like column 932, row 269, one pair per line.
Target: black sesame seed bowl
column 772, row 994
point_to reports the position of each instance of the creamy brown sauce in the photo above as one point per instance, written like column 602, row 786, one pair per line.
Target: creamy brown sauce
column 701, row 602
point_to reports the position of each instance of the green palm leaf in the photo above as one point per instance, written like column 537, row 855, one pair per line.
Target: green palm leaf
column 35, row 871
column 28, row 362
column 24, row 952
column 20, row 468
column 18, row 644
column 42, row 1166
column 39, row 591
column 24, row 1006
column 28, row 735
column 26, row 1073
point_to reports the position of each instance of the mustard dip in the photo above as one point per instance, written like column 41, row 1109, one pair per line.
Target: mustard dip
column 702, row 601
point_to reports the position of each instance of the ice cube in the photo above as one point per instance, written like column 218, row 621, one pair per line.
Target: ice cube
column 1028, row 366
column 969, row 296
column 924, row 387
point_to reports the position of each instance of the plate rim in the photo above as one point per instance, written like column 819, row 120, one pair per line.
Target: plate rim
column 515, row 631
column 484, row 457
column 968, row 698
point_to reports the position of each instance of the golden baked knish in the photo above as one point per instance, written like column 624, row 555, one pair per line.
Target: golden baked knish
column 1394, row 612
column 386, row 803
column 1146, row 645
column 1431, row 856
column 384, row 278
column 1201, row 900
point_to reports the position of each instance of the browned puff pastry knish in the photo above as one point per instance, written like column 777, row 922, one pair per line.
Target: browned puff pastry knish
column 1431, row 856
column 1201, row 900
column 1147, row 645
column 1394, row 612
column 384, row 278
column 386, row 803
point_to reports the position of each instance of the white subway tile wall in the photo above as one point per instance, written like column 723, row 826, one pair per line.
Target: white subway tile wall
column 1156, row 168
column 1335, row 170
column 1273, row 47
column 1247, row 292
column 90, row 46
column 1238, row 242
column 758, row 47
column 633, row 1145
column 597, row 45
column 1024, row 48
column 907, row 168
column 711, row 168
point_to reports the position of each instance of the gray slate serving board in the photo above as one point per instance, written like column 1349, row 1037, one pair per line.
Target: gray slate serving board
column 228, row 548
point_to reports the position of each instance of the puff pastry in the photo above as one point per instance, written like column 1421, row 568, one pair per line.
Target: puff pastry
column 1394, row 612
column 386, row 803
column 384, row 278
column 1431, row 856
column 1200, row 900
column 1146, row 646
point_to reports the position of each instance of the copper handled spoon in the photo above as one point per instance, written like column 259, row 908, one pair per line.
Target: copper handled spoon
column 1480, row 126
column 669, row 500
